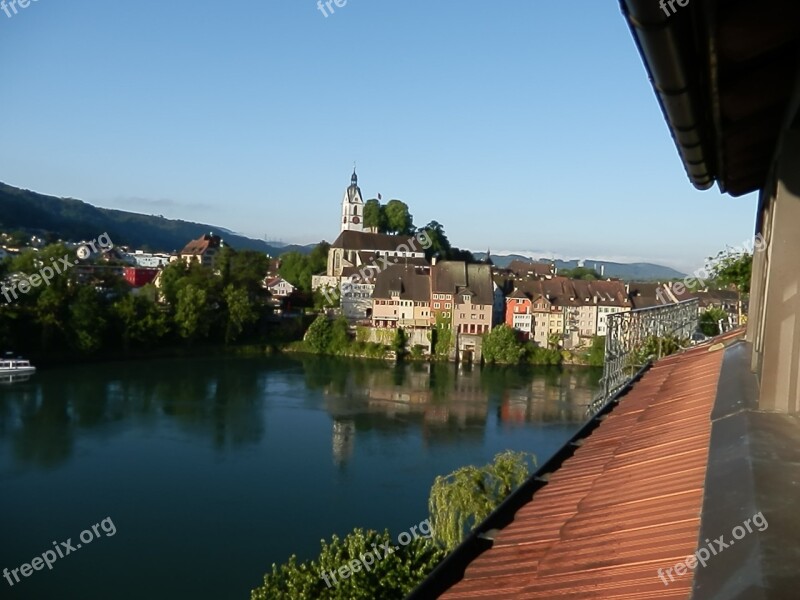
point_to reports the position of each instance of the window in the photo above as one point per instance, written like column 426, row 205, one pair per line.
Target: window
column 447, row 305
column 436, row 305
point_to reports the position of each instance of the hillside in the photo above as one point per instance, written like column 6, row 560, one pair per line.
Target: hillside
column 627, row 272
column 71, row 219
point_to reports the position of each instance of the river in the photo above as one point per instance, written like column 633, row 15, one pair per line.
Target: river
column 209, row 470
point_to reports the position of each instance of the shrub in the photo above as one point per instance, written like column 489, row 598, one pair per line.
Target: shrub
column 392, row 576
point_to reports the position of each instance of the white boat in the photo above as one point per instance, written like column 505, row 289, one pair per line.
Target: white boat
column 15, row 366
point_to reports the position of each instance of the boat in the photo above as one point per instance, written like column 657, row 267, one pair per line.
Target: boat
column 15, row 369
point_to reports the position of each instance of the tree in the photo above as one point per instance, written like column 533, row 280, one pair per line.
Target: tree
column 141, row 320
column 240, row 311
column 440, row 245
column 732, row 269
column 374, row 215
column 398, row 219
column 501, row 345
column 245, row 269
column 340, row 336
column 463, row 499
column 319, row 335
column 581, row 273
column 298, row 269
column 191, row 312
column 87, row 320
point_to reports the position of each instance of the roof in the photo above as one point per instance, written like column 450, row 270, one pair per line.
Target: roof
column 576, row 292
column 362, row 240
column 411, row 283
column 533, row 269
column 625, row 504
column 201, row 245
column 723, row 73
column 644, row 295
column 455, row 277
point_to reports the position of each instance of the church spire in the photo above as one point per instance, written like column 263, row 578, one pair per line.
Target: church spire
column 354, row 178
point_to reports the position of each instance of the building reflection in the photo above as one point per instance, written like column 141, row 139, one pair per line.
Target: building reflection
column 445, row 404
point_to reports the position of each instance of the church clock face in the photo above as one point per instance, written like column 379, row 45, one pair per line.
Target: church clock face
column 356, row 220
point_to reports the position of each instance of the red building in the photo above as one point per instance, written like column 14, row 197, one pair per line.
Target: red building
column 138, row 276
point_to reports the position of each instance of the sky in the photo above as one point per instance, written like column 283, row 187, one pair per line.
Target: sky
column 521, row 125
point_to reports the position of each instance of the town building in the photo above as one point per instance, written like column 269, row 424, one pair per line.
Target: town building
column 278, row 287
column 202, row 250
column 139, row 276
column 401, row 298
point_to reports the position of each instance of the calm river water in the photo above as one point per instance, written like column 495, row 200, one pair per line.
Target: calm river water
column 211, row 470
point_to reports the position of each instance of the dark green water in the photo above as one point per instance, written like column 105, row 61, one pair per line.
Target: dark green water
column 211, row 470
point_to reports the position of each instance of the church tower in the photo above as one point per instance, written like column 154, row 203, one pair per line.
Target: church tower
column 353, row 207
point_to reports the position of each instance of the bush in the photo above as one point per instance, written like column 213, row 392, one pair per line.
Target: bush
column 709, row 321
column 536, row 355
column 596, row 356
column 392, row 576
column 502, row 346
column 319, row 335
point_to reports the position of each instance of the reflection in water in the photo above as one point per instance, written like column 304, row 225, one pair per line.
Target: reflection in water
column 222, row 401
column 45, row 416
column 444, row 401
column 344, row 433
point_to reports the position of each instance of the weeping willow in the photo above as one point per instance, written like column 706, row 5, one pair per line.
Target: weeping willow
column 461, row 500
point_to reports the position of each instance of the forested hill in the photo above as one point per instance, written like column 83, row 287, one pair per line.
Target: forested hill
column 70, row 219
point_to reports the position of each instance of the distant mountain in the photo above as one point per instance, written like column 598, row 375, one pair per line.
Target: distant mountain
column 70, row 219
column 627, row 272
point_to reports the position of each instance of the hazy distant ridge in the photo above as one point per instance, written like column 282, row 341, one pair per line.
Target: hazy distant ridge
column 75, row 220
column 628, row 272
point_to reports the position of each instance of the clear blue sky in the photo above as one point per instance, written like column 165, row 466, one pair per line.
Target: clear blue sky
column 519, row 125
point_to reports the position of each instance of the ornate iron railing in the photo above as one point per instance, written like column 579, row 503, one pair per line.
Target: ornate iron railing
column 635, row 337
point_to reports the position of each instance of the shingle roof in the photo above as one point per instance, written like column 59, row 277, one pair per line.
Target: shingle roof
column 626, row 503
column 362, row 240
column 411, row 283
column 533, row 269
column 201, row 245
column 455, row 277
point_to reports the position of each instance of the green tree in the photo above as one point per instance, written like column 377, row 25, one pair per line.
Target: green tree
column 340, row 337
column 501, row 345
column 463, row 499
column 374, row 215
column 142, row 322
column 581, row 273
column 240, row 312
column 244, row 268
column 191, row 312
column 88, row 320
column 398, row 219
column 440, row 245
column 732, row 269
column 319, row 334
column 298, row 268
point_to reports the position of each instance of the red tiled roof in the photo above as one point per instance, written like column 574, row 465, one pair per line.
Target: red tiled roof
column 627, row 503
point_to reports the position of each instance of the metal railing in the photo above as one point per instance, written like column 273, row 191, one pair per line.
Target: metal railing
column 635, row 337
